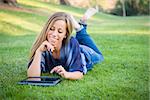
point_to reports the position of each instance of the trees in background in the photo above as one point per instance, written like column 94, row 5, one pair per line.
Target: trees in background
column 116, row 7
column 9, row 2
column 123, row 7
column 131, row 7
column 64, row 2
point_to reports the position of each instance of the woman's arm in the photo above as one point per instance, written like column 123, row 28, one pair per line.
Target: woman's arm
column 74, row 75
column 68, row 75
column 34, row 69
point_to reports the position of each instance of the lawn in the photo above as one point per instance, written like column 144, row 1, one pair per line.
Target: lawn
column 124, row 42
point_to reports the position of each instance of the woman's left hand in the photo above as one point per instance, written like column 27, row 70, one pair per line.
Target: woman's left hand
column 60, row 70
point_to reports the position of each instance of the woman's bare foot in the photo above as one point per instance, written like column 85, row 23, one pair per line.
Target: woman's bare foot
column 89, row 13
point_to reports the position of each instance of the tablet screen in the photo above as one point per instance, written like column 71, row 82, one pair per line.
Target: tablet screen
column 41, row 81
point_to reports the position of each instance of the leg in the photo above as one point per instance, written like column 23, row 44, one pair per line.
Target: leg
column 84, row 39
column 88, row 14
column 91, row 56
column 89, row 48
column 81, row 35
column 87, row 45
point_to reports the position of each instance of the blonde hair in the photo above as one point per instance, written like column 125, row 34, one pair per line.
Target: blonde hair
column 42, row 36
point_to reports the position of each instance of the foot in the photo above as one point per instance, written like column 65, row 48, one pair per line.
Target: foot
column 89, row 13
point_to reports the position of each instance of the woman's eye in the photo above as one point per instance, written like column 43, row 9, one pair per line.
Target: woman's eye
column 60, row 31
column 52, row 28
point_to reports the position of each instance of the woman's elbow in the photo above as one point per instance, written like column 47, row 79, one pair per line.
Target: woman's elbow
column 31, row 73
column 80, row 76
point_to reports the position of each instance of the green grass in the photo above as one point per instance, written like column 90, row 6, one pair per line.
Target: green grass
column 124, row 42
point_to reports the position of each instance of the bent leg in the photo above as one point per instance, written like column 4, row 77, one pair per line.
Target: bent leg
column 84, row 39
column 92, row 57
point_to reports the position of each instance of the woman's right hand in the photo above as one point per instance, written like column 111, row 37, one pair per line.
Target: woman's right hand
column 45, row 46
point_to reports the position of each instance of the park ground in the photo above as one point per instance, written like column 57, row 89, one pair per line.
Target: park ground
column 124, row 42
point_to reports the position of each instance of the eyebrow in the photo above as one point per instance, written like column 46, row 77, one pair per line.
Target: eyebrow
column 59, row 28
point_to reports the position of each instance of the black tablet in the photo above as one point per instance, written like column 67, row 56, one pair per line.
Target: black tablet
column 40, row 81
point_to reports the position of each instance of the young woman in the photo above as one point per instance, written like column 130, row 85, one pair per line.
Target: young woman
column 56, row 51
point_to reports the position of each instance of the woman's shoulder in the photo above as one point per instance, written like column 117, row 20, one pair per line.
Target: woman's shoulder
column 73, row 40
column 72, row 43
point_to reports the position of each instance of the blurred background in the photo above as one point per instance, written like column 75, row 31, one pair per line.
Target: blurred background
column 115, row 7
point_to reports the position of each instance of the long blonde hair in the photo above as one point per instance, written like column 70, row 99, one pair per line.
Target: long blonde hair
column 42, row 36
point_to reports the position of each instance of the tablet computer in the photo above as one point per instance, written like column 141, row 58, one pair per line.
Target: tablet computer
column 40, row 81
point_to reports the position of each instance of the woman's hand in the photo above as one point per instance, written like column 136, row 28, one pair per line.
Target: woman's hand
column 45, row 46
column 55, row 42
column 61, row 71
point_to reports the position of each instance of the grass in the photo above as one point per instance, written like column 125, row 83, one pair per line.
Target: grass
column 124, row 42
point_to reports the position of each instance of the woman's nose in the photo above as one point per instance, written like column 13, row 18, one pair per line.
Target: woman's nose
column 54, row 35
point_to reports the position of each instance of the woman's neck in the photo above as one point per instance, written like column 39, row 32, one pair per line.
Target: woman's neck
column 56, row 54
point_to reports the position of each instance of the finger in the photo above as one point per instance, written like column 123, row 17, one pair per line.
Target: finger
column 49, row 46
column 61, row 73
column 52, row 49
column 60, row 66
column 43, row 48
column 54, row 70
column 45, row 44
column 59, row 70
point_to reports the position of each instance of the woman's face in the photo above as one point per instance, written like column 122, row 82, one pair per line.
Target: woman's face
column 57, row 33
